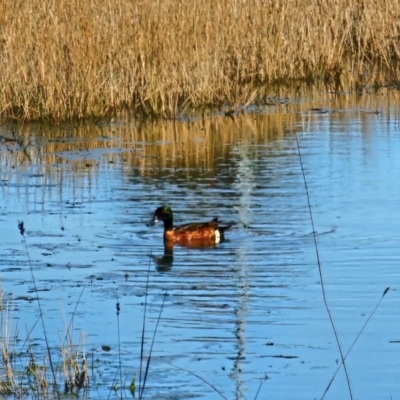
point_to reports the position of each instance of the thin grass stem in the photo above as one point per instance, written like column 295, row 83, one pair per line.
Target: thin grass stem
column 151, row 347
column 197, row 376
column 259, row 387
column 144, row 327
column 119, row 346
column 22, row 232
column 320, row 268
column 354, row 342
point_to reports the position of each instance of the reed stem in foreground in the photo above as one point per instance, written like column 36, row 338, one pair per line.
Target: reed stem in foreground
column 22, row 232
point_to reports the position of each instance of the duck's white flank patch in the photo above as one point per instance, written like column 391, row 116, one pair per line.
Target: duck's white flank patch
column 217, row 236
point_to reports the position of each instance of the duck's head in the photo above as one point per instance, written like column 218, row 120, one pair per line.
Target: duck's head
column 163, row 213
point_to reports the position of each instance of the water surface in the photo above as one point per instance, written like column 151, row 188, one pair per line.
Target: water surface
column 247, row 312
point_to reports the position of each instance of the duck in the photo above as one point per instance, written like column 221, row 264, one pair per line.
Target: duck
column 194, row 233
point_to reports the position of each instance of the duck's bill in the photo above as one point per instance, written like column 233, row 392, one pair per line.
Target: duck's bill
column 153, row 221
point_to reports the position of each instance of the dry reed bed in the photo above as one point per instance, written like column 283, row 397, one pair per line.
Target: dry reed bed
column 67, row 59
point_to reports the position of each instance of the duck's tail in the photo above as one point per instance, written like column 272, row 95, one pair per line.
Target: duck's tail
column 221, row 229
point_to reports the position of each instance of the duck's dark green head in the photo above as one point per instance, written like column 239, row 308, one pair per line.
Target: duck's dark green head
column 163, row 213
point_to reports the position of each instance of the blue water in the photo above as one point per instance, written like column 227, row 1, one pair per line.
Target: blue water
column 251, row 308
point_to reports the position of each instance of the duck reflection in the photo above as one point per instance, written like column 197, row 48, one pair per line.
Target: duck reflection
column 164, row 263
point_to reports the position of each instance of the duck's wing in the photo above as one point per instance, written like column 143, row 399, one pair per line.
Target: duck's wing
column 197, row 226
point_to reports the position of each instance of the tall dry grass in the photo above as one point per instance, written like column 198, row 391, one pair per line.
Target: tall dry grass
column 66, row 59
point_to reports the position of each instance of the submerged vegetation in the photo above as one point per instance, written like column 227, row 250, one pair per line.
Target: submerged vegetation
column 73, row 59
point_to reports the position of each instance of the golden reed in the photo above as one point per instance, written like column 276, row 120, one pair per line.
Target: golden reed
column 76, row 59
